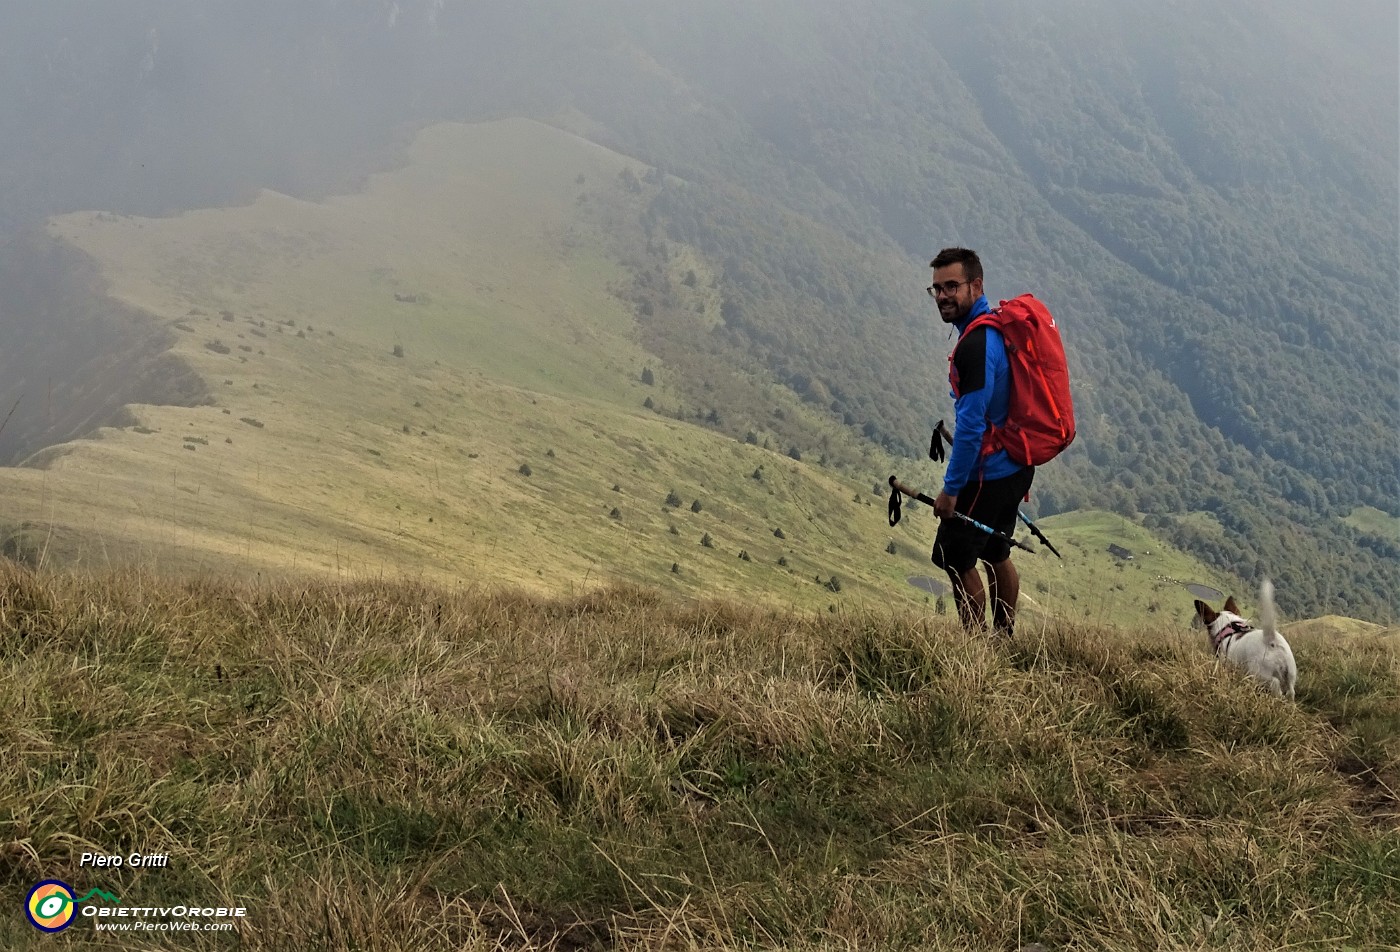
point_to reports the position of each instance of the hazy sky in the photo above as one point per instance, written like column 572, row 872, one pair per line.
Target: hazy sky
column 149, row 105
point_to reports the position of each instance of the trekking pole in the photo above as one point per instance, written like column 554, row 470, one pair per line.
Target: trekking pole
column 1035, row 531
column 901, row 489
column 938, row 454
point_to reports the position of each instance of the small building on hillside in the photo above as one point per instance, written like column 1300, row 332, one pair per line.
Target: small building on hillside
column 1118, row 552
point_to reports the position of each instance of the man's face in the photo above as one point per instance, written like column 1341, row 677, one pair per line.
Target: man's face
column 954, row 293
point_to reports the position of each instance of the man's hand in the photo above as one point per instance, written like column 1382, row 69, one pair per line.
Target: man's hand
column 944, row 505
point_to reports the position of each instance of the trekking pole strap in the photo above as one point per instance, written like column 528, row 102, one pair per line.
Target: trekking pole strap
column 901, row 489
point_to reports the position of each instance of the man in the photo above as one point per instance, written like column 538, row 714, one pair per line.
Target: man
column 987, row 487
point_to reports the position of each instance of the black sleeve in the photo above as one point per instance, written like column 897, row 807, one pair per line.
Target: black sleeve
column 970, row 360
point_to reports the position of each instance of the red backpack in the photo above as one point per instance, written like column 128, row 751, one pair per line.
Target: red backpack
column 1040, row 418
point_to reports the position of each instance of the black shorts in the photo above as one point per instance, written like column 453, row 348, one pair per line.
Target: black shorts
column 959, row 545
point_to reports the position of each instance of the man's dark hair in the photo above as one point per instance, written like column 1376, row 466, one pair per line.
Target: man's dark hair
column 972, row 265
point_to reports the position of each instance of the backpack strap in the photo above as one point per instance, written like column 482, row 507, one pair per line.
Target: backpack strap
column 991, row 437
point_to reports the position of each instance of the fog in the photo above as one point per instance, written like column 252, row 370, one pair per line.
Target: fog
column 149, row 106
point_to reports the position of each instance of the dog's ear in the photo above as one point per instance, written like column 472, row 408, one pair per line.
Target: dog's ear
column 1205, row 613
column 1231, row 607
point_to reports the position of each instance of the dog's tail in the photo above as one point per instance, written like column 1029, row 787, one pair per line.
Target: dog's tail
column 1268, row 618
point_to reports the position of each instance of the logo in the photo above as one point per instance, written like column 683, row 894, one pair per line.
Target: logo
column 50, row 906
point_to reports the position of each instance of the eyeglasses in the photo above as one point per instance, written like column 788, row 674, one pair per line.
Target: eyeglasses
column 947, row 287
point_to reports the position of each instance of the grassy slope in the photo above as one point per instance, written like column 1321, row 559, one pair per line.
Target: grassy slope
column 394, row 766
column 1372, row 521
column 370, row 464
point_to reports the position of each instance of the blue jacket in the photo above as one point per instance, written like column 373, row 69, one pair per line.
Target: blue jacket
column 984, row 377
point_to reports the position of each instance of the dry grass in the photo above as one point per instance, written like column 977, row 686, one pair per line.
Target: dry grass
column 376, row 766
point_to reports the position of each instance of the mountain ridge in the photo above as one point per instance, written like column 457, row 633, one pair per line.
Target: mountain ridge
column 1270, row 223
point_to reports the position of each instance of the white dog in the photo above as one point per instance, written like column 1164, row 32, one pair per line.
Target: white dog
column 1262, row 652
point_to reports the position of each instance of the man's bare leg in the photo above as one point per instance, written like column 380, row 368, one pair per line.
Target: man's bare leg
column 1003, row 591
column 971, row 599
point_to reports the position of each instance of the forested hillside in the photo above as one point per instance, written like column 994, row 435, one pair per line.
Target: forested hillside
column 1205, row 194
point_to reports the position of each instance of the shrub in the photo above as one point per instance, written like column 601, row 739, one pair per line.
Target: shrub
column 398, row 350
column 892, row 549
column 525, row 469
column 778, row 534
column 695, row 506
column 616, row 513
column 673, row 499
column 834, row 584
column 744, row 555
column 647, row 377
column 706, row 541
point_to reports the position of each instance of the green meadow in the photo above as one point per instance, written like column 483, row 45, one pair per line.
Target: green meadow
column 386, row 367
column 1370, row 520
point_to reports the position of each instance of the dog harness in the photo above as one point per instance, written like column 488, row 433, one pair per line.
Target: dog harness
column 1233, row 630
